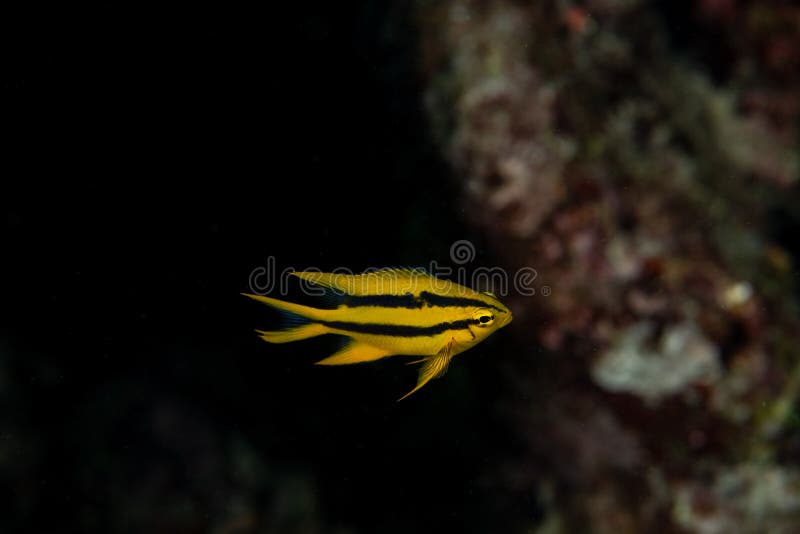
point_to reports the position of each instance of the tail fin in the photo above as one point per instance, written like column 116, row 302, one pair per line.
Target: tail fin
column 298, row 321
column 308, row 312
column 293, row 334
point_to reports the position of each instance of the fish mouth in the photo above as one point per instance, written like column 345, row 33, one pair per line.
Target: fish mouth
column 507, row 319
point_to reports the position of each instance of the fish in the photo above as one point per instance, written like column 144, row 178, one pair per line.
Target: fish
column 391, row 312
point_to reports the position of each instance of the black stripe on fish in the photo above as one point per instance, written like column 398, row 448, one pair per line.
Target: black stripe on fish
column 384, row 301
column 410, row 301
column 432, row 299
column 399, row 330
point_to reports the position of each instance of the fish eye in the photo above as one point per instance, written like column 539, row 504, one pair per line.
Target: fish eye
column 484, row 318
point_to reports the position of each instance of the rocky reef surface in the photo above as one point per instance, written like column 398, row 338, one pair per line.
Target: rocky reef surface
column 644, row 160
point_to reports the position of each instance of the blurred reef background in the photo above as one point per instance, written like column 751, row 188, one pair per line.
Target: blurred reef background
column 642, row 157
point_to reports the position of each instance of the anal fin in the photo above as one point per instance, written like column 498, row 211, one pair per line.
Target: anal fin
column 434, row 367
column 354, row 352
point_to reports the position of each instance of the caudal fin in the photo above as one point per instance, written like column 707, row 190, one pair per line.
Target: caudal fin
column 307, row 312
column 298, row 321
column 292, row 334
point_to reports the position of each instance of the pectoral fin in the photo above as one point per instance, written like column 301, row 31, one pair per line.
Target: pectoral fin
column 434, row 367
column 354, row 352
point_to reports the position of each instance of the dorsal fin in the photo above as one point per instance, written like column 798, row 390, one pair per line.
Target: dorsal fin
column 400, row 270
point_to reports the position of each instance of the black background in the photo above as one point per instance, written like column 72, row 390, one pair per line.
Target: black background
column 154, row 158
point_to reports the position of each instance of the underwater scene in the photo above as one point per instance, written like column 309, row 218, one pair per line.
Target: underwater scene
column 474, row 266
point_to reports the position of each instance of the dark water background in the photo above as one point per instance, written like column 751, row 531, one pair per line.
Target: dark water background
column 157, row 157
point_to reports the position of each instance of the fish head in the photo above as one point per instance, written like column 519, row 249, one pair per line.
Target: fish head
column 488, row 319
column 501, row 312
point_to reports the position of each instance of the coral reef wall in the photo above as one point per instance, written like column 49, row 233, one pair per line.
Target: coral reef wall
column 637, row 156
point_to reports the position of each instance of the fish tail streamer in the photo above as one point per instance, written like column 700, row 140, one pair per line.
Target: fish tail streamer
column 293, row 334
column 299, row 321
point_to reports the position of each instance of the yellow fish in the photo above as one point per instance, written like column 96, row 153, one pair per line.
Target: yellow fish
column 393, row 312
